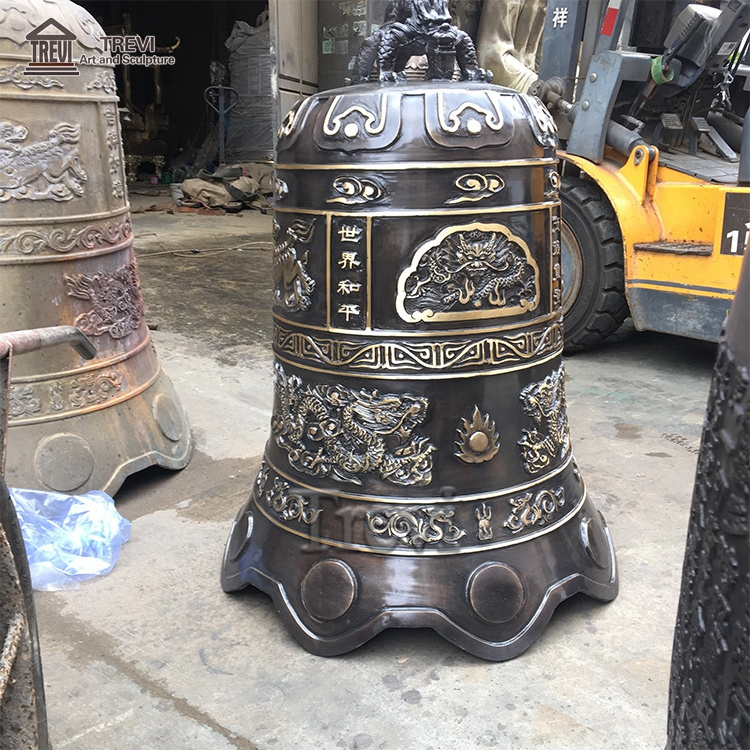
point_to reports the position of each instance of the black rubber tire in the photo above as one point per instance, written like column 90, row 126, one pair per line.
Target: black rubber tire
column 594, row 304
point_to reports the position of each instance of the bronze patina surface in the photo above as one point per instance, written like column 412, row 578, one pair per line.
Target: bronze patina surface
column 66, row 258
column 709, row 690
column 419, row 471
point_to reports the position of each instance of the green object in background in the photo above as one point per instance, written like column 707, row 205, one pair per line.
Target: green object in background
column 659, row 73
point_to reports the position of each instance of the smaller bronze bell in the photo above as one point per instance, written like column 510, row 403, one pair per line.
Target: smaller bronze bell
column 66, row 258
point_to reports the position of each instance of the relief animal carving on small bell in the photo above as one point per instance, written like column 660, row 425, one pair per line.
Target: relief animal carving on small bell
column 419, row 471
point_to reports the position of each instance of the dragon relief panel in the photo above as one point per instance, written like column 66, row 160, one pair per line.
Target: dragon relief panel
column 116, row 302
column 471, row 271
column 48, row 169
column 544, row 402
column 328, row 430
column 293, row 285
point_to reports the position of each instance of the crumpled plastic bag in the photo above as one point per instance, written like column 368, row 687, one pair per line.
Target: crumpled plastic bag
column 69, row 538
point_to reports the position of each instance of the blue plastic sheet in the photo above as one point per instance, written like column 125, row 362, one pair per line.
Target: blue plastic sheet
column 69, row 538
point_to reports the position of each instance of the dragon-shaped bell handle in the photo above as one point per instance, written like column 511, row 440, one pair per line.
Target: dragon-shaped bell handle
column 418, row 27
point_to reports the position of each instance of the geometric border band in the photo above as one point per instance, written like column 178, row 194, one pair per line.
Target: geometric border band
column 460, row 355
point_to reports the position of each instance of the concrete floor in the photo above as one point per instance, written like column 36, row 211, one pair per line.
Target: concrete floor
column 156, row 656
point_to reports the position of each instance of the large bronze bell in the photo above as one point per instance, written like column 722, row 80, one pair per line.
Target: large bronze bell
column 419, row 471
column 66, row 257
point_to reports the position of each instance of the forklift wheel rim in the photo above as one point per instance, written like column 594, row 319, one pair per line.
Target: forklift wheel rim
column 572, row 267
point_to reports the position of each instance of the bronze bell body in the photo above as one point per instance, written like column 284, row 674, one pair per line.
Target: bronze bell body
column 419, row 471
column 66, row 258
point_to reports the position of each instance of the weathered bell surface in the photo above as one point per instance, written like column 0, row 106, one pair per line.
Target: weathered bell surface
column 419, row 471
column 66, row 257
column 709, row 687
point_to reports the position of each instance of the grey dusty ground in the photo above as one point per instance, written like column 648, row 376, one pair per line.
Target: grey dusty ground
column 155, row 656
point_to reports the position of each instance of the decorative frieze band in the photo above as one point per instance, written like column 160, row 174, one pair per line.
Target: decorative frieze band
column 62, row 239
column 15, row 75
column 452, row 525
column 417, row 355
column 66, row 394
column 62, row 397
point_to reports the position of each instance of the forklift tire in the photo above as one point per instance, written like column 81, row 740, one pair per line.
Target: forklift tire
column 593, row 302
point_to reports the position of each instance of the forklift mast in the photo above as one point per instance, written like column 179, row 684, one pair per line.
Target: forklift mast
column 618, row 93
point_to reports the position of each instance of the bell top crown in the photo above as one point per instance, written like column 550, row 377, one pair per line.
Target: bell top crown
column 434, row 119
column 23, row 23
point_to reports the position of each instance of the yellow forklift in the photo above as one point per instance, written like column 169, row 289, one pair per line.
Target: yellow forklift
column 651, row 101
